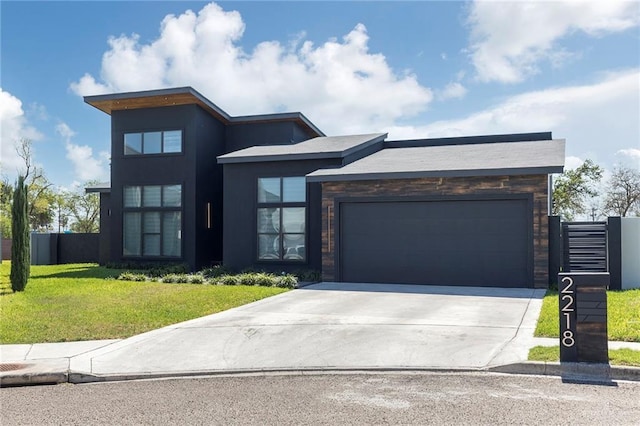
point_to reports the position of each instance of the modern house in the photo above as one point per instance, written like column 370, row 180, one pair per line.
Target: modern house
column 191, row 184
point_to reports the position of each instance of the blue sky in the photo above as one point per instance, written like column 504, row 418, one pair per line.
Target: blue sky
column 413, row 69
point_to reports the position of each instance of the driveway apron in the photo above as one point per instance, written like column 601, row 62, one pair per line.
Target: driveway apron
column 337, row 326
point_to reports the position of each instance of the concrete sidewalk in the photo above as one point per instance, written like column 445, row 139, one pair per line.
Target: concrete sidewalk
column 323, row 327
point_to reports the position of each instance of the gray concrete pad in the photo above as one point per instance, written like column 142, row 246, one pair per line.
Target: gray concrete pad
column 10, row 353
column 36, row 351
column 337, row 325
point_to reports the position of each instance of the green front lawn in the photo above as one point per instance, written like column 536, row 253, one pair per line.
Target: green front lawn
column 623, row 316
column 616, row 356
column 83, row 302
column 623, row 324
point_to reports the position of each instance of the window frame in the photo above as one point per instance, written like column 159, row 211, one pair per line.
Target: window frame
column 281, row 234
column 162, row 143
column 141, row 211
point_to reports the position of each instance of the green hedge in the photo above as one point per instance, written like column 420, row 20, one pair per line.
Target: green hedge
column 262, row 279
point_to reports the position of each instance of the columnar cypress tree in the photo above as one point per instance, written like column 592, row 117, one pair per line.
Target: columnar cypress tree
column 20, row 248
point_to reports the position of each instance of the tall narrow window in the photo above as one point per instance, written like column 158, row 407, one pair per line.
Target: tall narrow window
column 152, row 221
column 281, row 217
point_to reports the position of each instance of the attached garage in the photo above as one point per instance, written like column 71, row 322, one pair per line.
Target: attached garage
column 480, row 242
column 460, row 212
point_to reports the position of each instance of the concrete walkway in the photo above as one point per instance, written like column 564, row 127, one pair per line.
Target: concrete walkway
column 327, row 326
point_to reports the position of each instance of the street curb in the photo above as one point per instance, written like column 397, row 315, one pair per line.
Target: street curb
column 78, row 378
column 35, row 378
column 570, row 372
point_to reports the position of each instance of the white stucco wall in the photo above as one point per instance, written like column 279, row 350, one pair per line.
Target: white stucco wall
column 630, row 229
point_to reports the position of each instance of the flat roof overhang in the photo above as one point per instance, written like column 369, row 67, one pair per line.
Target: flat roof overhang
column 189, row 96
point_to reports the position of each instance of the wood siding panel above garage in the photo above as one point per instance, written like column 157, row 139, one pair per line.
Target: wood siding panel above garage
column 534, row 186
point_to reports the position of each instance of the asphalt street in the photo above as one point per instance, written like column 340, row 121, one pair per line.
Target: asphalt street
column 425, row 398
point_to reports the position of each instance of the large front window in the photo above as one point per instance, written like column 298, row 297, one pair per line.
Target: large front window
column 152, row 221
column 161, row 142
column 282, row 218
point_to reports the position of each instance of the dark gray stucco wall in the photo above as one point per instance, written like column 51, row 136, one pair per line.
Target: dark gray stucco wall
column 105, row 228
column 240, row 228
column 240, row 136
column 202, row 137
column 210, row 143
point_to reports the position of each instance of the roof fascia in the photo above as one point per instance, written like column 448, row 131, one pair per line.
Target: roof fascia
column 433, row 174
column 470, row 140
column 199, row 99
column 301, row 156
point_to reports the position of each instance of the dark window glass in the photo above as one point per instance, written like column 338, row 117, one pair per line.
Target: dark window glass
column 131, row 230
column 281, row 218
column 172, row 141
column 152, row 220
column 294, row 189
column 132, row 196
column 269, row 190
column 171, row 234
column 132, row 143
column 152, row 142
column 169, row 141
column 172, row 195
column 151, row 196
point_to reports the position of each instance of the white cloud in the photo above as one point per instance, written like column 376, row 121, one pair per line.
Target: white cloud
column 86, row 166
column 510, row 39
column 571, row 162
column 630, row 156
column 339, row 84
column 597, row 119
column 65, row 131
column 452, row 90
column 13, row 127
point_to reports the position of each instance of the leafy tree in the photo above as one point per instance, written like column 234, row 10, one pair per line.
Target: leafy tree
column 6, row 199
column 623, row 192
column 572, row 189
column 84, row 209
column 20, row 248
column 62, row 210
column 40, row 195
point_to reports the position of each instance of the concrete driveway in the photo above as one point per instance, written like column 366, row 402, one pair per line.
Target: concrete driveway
column 340, row 326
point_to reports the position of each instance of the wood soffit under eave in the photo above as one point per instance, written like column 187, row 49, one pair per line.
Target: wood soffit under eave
column 110, row 105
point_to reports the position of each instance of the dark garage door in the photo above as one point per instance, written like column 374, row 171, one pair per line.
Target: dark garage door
column 470, row 243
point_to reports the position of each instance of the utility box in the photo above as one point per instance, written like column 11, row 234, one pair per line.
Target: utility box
column 583, row 316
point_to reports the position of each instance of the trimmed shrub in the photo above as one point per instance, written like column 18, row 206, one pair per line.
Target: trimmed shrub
column 215, row 271
column 247, row 279
column 265, row 280
column 228, row 280
column 131, row 276
column 309, row 275
column 174, row 278
column 152, row 269
column 196, row 279
column 286, row 281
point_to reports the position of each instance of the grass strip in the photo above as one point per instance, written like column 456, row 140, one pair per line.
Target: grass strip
column 616, row 356
column 623, row 316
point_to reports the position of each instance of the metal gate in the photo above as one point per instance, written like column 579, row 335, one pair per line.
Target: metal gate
column 584, row 246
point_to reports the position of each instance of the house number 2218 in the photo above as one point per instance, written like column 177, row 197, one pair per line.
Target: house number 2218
column 567, row 307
